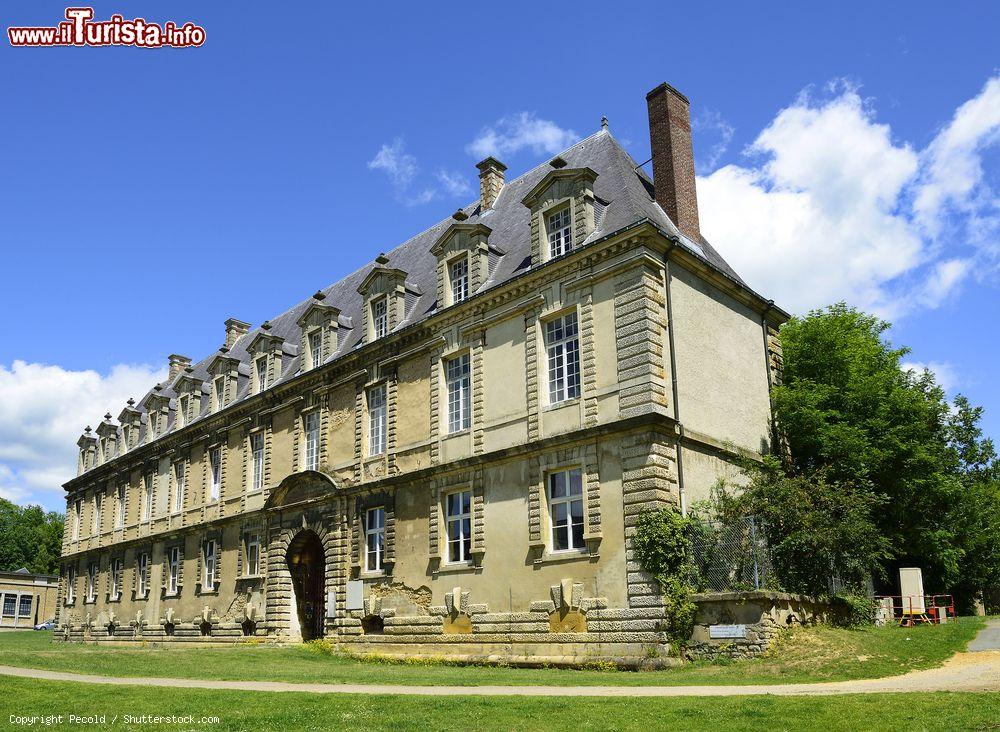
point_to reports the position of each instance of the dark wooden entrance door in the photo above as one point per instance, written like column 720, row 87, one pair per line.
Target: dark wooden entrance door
column 308, row 568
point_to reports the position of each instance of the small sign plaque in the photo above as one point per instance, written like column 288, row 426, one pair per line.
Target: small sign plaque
column 331, row 604
column 355, row 595
column 727, row 631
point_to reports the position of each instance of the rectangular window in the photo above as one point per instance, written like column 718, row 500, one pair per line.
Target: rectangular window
column 147, row 497
column 126, row 441
column 458, row 524
column 9, row 604
column 560, row 234
column 562, row 345
column 116, row 578
column 215, row 466
column 208, row 563
column 183, row 408
column 376, row 420
column 380, row 317
column 459, row 393
column 220, row 392
column 316, row 348
column 71, row 585
column 98, row 500
column 252, row 566
column 173, row 569
column 92, row 583
column 178, row 502
column 459, row 280
column 261, row 366
column 77, row 518
column 374, row 539
column 152, row 425
column 142, row 574
column 24, row 606
column 566, row 509
column 257, row 452
column 120, row 507
column 310, row 424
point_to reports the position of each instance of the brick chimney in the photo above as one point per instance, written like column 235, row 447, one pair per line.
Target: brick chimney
column 673, row 157
column 176, row 364
column 490, row 181
column 234, row 329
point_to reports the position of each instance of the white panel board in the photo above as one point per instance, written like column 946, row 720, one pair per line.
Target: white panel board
column 355, row 595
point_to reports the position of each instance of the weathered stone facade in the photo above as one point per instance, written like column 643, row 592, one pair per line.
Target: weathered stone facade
column 414, row 462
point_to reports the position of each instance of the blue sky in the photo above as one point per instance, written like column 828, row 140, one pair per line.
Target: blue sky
column 147, row 195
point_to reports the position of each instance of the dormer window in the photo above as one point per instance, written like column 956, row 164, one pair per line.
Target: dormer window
column 315, row 348
column 154, row 420
column 319, row 324
column 182, row 416
column 459, row 275
column 219, row 391
column 260, row 365
column 559, row 229
column 380, row 318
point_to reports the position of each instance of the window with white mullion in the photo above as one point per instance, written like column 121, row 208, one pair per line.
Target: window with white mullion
column 220, row 392
column 92, row 583
column 77, row 518
column 374, row 539
column 459, row 383
column 376, row 420
column 173, row 569
column 215, row 467
column 458, row 526
column 562, row 344
column 380, row 317
column 208, row 566
column 177, row 502
column 316, row 348
column 257, row 461
column 459, row 280
column 116, row 578
column 142, row 574
column 120, row 507
column 310, row 446
column 252, row 553
column 96, row 526
column 560, row 232
column 565, row 494
column 71, row 585
column 147, row 497
column 261, row 365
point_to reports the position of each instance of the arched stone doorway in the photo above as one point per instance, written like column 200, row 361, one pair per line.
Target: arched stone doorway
column 307, row 565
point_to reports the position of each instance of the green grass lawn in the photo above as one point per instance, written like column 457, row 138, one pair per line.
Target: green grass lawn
column 294, row 711
column 802, row 655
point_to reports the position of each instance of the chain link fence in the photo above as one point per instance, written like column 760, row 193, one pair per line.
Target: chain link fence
column 731, row 556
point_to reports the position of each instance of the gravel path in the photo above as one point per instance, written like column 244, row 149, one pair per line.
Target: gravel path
column 978, row 670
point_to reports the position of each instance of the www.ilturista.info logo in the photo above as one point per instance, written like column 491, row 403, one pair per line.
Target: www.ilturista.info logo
column 80, row 29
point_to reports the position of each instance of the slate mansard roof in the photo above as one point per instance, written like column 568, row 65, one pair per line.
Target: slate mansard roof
column 624, row 197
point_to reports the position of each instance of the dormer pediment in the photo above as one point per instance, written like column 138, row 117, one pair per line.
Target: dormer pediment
column 87, row 439
column 382, row 279
column 130, row 414
column 466, row 235
column 265, row 342
column 319, row 313
column 568, row 178
column 107, row 429
column 222, row 363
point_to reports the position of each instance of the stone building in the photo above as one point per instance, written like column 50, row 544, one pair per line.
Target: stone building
column 27, row 599
column 445, row 451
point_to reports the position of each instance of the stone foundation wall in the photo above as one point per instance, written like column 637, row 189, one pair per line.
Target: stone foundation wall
column 762, row 615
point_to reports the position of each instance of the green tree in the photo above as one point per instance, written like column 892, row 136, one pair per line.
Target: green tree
column 927, row 478
column 29, row 537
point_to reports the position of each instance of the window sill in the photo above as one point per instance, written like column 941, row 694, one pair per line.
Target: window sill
column 200, row 592
column 568, row 555
column 457, row 433
column 575, row 401
column 373, row 575
column 250, row 577
column 456, row 568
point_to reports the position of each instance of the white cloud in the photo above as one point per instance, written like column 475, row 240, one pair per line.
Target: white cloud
column 402, row 170
column 519, row 131
column 455, row 184
column 710, row 121
column 43, row 410
column 396, row 163
column 944, row 372
column 833, row 208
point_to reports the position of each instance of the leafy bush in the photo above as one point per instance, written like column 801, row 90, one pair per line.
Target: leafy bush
column 663, row 549
column 854, row 610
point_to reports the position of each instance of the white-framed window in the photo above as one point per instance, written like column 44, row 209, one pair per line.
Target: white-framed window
column 178, row 497
column 562, row 348
column 458, row 380
column 374, row 539
column 152, row 423
column 77, row 518
column 70, row 585
column 459, row 279
column 316, row 348
column 251, row 567
column 208, row 565
column 182, row 406
column 92, row 570
column 559, row 228
column 9, row 603
column 116, row 577
column 215, row 469
column 219, row 387
column 310, row 446
column 173, row 569
column 126, row 443
column 120, row 507
column 142, row 574
column 565, row 492
column 147, row 496
column 376, row 420
column 380, row 317
column 96, row 526
column 260, row 365
column 458, row 525
column 257, row 461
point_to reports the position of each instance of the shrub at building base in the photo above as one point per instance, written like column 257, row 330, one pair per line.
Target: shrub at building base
column 663, row 549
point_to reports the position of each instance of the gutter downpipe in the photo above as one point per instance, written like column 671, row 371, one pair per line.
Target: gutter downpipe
column 673, row 377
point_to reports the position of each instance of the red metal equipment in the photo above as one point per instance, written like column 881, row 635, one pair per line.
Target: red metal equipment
column 910, row 610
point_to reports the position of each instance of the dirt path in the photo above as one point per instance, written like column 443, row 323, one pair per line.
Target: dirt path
column 971, row 671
